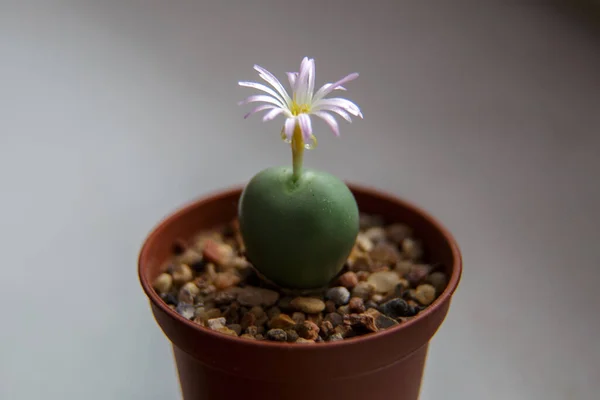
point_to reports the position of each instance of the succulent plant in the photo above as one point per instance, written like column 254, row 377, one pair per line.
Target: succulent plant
column 298, row 225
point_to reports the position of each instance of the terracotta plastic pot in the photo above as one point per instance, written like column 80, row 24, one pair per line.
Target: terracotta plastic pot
column 380, row 366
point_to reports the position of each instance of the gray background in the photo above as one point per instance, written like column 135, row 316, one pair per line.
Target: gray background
column 114, row 113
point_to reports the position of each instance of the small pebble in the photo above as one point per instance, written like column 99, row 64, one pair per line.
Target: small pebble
column 326, row 328
column 396, row 308
column 370, row 304
column 253, row 296
column 403, row 267
column 248, row 319
column 218, row 253
column 417, row 274
column 336, row 337
column 273, row 312
column 364, row 243
column 362, row 276
column 335, row 319
column 381, row 321
column 163, row 283
column 199, row 266
column 384, row 281
column 396, row 233
column 364, row 321
column 188, row 293
column 292, row 335
column 375, row 234
column 356, row 305
column 258, row 311
column 216, row 323
column 363, row 290
column 315, row 318
column 277, row 335
column 224, row 298
column 339, row 295
column 246, row 336
column 226, row 331
column 412, row 249
column 260, row 336
column 284, row 303
column 330, row 306
column 252, row 331
column 225, row 280
column 309, row 305
column 182, row 273
column 425, row 294
column 385, row 253
column 169, row 298
column 308, row 330
column 304, row 341
column 343, row 310
column 189, row 257
column 348, row 280
column 298, row 317
column 438, row 280
column 282, row 321
column 236, row 328
column 362, row 263
column 186, row 310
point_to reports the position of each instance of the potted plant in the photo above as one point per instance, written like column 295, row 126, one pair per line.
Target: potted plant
column 299, row 286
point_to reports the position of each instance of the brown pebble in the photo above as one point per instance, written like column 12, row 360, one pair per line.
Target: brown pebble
column 304, row 341
column 363, row 290
column 396, row 233
column 273, row 312
column 246, row 336
column 226, row 331
column 163, row 283
column 299, row 317
column 375, row 234
column 425, row 294
column 284, row 303
column 356, row 305
column 344, row 330
column 330, row 306
column 224, row 280
column 365, row 321
column 417, row 274
column 236, row 328
column 326, row 328
column 362, row 276
column 315, row 318
column 381, row 321
column 403, row 267
column 308, row 330
column 282, row 321
column 292, row 335
column 309, row 305
column 248, row 319
column 252, row 331
column 218, row 253
column 385, row 253
column 412, row 249
column 335, row 319
column 259, row 337
column 224, row 298
column 252, row 296
column 189, row 257
column 277, row 335
column 182, row 274
column 362, row 263
column 343, row 310
column 438, row 280
column 348, row 280
column 258, row 312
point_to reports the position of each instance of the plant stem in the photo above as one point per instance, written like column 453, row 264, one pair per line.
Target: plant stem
column 297, row 152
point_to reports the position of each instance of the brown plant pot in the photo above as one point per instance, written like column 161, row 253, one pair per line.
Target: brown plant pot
column 380, row 366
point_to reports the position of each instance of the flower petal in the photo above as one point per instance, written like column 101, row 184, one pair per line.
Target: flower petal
column 292, row 76
column 264, row 88
column 273, row 81
column 311, row 81
column 345, row 104
column 290, row 123
column 272, row 114
column 305, row 126
column 325, row 90
column 339, row 111
column 260, row 108
column 302, row 81
column 330, row 121
column 262, row 98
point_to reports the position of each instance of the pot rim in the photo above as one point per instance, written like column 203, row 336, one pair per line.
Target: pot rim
column 367, row 190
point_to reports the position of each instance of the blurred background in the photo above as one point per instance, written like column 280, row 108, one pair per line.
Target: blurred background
column 114, row 113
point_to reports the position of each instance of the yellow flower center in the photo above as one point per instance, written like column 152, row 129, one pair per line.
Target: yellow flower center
column 297, row 109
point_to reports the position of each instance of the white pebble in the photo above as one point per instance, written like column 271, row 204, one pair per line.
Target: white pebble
column 384, row 281
column 163, row 283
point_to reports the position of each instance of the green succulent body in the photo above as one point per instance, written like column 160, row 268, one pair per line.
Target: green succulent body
column 298, row 231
